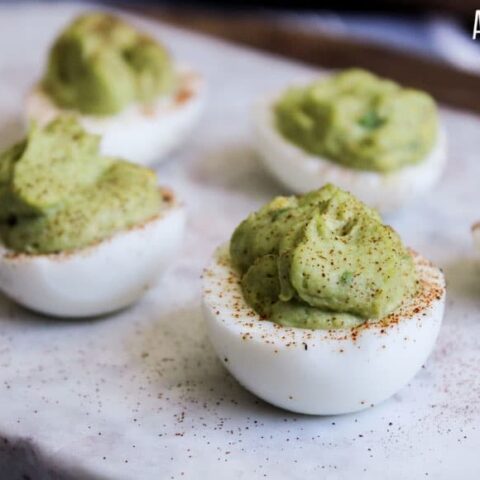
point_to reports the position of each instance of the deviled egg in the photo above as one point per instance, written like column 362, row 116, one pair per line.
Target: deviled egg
column 82, row 234
column 120, row 84
column 317, row 307
column 368, row 135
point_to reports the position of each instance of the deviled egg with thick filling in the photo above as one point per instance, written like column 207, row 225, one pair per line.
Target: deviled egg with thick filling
column 81, row 233
column 317, row 307
column 121, row 84
column 380, row 141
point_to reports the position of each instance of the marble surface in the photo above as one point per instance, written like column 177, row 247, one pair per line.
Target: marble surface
column 141, row 395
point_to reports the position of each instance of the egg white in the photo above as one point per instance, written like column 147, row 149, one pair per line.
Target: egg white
column 301, row 172
column 144, row 134
column 98, row 279
column 320, row 371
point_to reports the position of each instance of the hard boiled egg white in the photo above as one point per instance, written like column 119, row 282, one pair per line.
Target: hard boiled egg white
column 302, row 172
column 321, row 371
column 144, row 134
column 97, row 279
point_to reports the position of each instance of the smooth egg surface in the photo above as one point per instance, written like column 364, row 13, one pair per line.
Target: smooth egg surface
column 98, row 279
column 300, row 171
column 144, row 134
column 321, row 371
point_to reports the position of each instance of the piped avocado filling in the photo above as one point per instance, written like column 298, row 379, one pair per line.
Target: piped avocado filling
column 57, row 193
column 320, row 261
column 100, row 64
column 359, row 120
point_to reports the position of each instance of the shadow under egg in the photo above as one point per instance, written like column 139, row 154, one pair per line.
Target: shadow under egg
column 463, row 278
column 235, row 167
column 11, row 131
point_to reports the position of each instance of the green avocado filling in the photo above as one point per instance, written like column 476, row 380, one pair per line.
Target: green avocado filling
column 57, row 193
column 100, row 64
column 323, row 260
column 360, row 120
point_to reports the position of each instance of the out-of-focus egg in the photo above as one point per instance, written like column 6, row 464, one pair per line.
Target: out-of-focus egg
column 145, row 134
column 301, row 171
column 97, row 279
column 321, row 371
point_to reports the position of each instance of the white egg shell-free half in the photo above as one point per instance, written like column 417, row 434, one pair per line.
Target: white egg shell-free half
column 97, row 279
column 144, row 134
column 321, row 371
column 301, row 171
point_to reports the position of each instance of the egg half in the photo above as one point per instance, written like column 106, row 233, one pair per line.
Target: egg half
column 100, row 278
column 321, row 372
column 143, row 133
column 301, row 172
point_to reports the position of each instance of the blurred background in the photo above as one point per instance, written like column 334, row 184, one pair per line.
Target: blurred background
column 423, row 43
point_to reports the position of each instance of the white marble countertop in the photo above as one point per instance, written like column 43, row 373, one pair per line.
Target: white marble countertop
column 140, row 395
